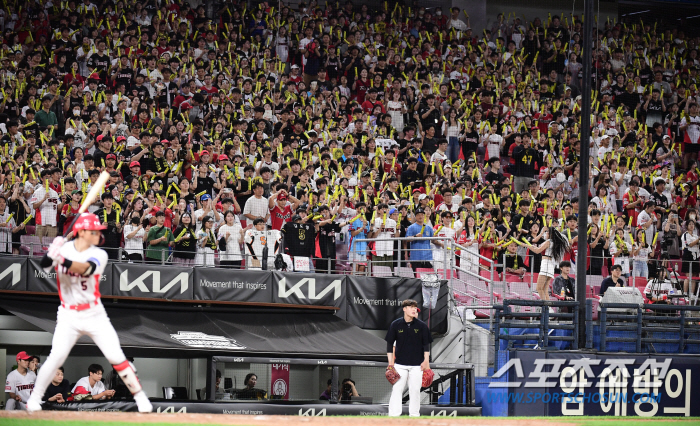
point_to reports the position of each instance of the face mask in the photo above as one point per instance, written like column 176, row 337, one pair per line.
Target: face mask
column 561, row 177
column 438, row 13
column 76, row 112
column 691, row 216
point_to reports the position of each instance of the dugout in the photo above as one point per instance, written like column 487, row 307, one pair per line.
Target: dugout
column 314, row 343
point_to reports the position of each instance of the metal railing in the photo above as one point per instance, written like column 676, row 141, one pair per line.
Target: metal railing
column 645, row 320
column 507, row 318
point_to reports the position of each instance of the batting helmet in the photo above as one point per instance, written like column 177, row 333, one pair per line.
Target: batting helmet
column 88, row 222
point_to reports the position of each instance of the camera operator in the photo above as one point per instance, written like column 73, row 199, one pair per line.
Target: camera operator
column 672, row 230
column 691, row 251
column 658, row 290
column 348, row 390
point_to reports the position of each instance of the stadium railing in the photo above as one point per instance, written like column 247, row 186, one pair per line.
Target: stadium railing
column 645, row 321
column 509, row 315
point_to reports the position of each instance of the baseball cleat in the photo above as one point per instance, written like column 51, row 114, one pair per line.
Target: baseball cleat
column 33, row 406
column 142, row 402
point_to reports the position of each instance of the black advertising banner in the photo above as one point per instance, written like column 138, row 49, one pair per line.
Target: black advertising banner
column 309, row 289
column 309, row 409
column 13, row 273
column 156, row 282
column 601, row 384
column 232, row 285
column 373, row 303
column 42, row 281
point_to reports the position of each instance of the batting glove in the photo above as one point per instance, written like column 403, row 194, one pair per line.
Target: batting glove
column 55, row 249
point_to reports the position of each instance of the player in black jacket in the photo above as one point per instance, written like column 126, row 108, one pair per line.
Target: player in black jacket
column 410, row 357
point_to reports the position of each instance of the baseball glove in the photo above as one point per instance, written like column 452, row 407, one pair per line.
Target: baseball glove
column 392, row 375
column 428, row 376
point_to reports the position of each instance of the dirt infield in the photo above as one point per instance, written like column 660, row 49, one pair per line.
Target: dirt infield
column 222, row 419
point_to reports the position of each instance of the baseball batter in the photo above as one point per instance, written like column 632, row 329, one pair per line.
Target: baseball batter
column 79, row 265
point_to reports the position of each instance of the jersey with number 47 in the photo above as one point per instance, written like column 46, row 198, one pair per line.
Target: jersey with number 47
column 75, row 289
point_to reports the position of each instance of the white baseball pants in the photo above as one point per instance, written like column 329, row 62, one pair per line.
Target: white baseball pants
column 70, row 326
column 414, row 375
column 13, row 404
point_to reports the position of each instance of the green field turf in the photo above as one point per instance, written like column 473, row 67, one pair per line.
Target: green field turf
column 582, row 421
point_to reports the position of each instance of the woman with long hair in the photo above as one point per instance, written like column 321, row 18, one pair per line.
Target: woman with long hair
column 598, row 244
column 466, row 236
column 232, row 233
column 206, row 243
column 552, row 250
column 185, row 243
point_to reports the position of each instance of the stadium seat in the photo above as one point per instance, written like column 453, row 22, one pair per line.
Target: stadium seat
column 639, row 282
column 31, row 245
column 381, row 271
column 424, row 271
column 445, row 274
column 522, row 289
column 530, row 277
column 176, row 392
column 596, row 304
column 512, row 278
column 404, row 271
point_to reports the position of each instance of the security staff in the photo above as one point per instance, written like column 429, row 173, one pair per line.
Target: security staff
column 410, row 337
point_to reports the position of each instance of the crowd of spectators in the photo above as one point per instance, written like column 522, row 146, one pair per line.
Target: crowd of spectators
column 386, row 119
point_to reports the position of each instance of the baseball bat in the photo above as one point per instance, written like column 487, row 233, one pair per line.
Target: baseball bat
column 89, row 199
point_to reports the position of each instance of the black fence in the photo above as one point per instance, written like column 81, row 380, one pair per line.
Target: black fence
column 644, row 321
column 506, row 318
column 643, row 325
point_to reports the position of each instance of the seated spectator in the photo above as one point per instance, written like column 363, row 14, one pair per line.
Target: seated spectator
column 59, row 388
column 614, row 280
column 564, row 285
column 219, row 392
column 92, row 385
column 327, row 394
column 250, row 391
column 20, row 383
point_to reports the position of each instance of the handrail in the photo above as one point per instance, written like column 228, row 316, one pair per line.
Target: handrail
column 638, row 322
column 506, row 318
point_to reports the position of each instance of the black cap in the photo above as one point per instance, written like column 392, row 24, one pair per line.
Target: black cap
column 296, row 217
column 419, row 211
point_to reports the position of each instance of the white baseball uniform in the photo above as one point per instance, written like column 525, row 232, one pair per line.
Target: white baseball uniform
column 85, row 383
column 81, row 313
column 19, row 384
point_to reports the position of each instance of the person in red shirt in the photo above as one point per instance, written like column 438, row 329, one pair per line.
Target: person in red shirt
column 280, row 209
column 543, row 118
column 208, row 88
column 184, row 96
column 632, row 202
column 69, row 211
column 371, row 102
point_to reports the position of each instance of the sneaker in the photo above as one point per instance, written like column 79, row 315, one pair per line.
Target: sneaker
column 33, row 406
column 142, row 402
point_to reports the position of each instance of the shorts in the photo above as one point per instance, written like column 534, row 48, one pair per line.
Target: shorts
column 547, row 267
column 357, row 257
column 690, row 148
